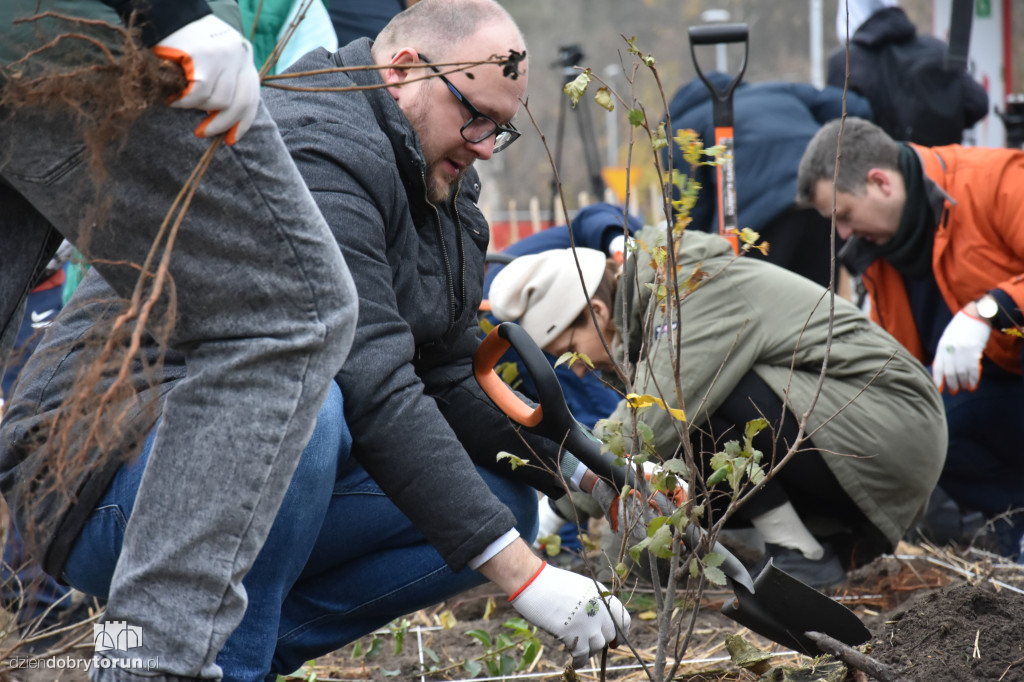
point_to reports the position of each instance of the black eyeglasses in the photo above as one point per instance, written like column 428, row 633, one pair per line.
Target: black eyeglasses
column 480, row 126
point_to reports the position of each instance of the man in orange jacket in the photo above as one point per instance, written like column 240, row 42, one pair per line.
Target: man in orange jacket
column 935, row 235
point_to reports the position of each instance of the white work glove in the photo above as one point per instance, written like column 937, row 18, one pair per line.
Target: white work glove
column 958, row 356
column 222, row 77
column 569, row 606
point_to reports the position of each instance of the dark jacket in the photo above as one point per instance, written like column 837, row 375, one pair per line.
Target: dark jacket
column 411, row 402
column 868, row 45
column 774, row 123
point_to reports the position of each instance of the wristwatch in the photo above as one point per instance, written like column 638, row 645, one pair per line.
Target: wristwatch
column 988, row 307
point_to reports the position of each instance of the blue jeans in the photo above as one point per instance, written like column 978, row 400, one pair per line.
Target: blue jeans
column 340, row 560
column 984, row 469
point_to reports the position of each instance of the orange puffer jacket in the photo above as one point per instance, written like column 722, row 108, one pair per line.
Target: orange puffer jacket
column 979, row 244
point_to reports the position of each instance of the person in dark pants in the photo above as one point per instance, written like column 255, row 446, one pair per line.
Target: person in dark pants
column 751, row 339
column 774, row 123
column 935, row 234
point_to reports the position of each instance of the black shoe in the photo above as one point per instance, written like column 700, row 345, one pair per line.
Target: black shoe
column 821, row 574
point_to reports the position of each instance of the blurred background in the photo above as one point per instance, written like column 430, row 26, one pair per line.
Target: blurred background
column 789, row 40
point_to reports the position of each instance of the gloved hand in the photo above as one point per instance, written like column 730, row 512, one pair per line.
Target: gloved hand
column 222, row 78
column 958, row 356
column 614, row 507
column 569, row 606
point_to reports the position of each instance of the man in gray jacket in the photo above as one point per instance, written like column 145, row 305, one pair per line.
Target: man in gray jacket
column 390, row 169
column 262, row 330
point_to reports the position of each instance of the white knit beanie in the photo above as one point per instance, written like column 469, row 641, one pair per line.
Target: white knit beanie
column 543, row 292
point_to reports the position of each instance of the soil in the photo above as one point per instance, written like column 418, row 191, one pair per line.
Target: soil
column 962, row 632
column 928, row 622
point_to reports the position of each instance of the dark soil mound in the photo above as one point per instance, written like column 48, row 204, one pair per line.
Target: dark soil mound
column 962, row 632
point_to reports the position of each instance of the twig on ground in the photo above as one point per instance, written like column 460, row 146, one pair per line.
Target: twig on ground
column 853, row 658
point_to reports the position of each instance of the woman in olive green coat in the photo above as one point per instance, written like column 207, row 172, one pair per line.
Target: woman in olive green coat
column 753, row 339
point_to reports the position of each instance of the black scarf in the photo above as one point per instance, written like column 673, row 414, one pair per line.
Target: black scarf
column 910, row 249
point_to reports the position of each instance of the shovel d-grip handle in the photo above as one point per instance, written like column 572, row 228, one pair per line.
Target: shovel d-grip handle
column 485, row 359
column 721, row 98
column 552, row 418
column 714, row 34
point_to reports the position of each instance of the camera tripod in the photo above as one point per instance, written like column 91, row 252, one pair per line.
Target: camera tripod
column 568, row 57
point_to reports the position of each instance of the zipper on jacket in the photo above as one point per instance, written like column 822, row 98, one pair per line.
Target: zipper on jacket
column 460, row 242
column 444, row 255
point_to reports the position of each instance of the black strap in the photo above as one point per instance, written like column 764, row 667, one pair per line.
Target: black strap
column 960, row 20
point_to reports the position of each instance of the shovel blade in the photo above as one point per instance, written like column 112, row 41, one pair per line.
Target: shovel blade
column 782, row 609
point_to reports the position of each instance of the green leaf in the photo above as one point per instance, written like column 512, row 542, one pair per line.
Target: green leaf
column 718, row 476
column 375, row 646
column 473, row 668
column 656, row 523
column 659, row 140
column 431, row 654
column 564, row 358
column 714, row 575
column 577, row 87
column 646, row 435
column 531, row 650
column 694, row 568
column 508, row 664
column 713, row 560
column 518, row 625
column 391, row 673
column 675, row 466
column 754, row 426
column 514, row 461
column 603, row 96
column 636, row 117
column 638, row 548
column 481, row 636
column 661, row 542
column 552, row 544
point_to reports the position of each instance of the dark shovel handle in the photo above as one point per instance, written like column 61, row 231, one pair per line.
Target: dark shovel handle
column 715, row 34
